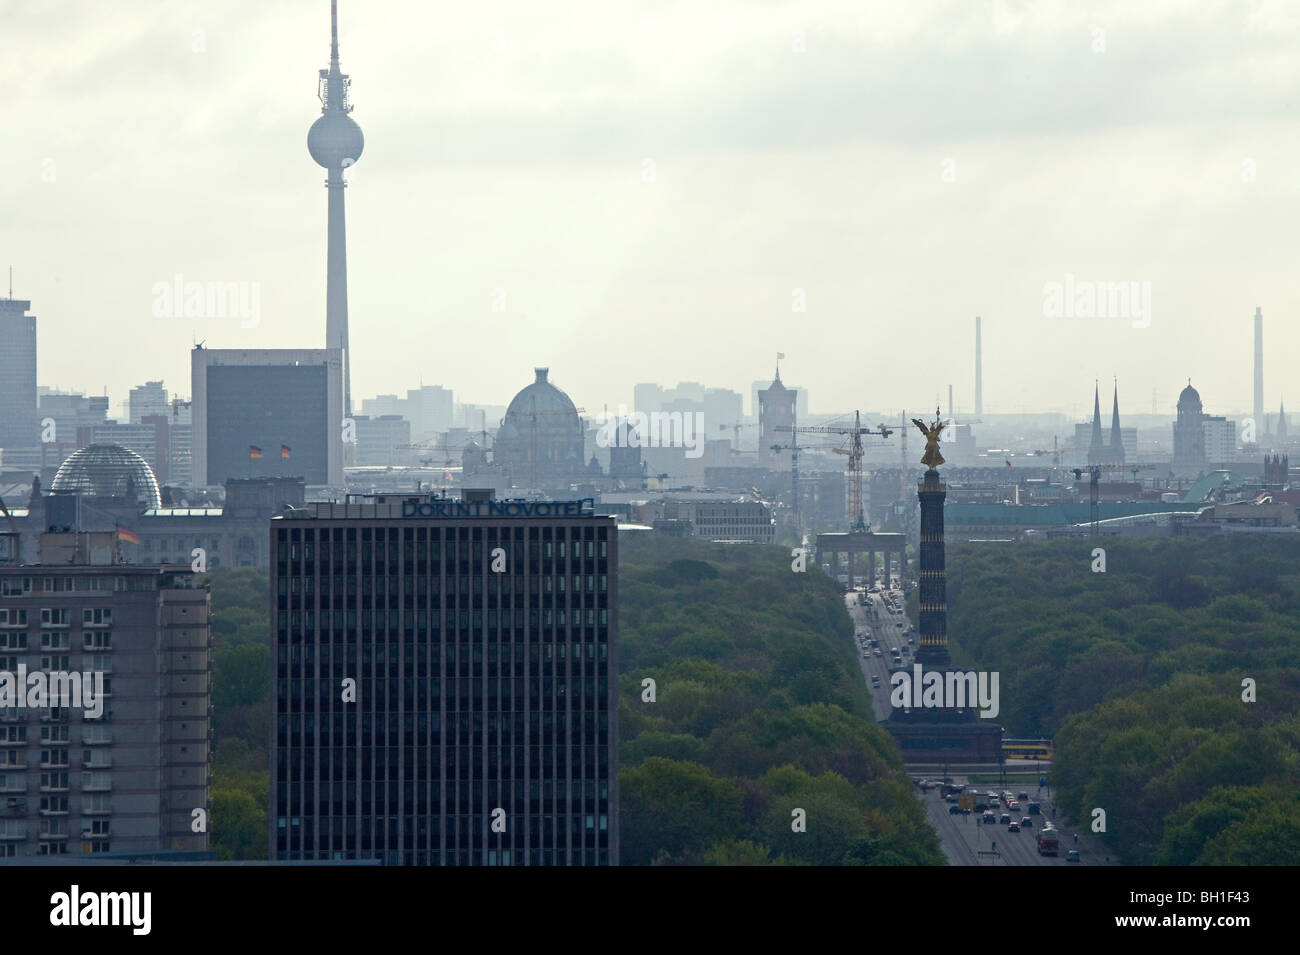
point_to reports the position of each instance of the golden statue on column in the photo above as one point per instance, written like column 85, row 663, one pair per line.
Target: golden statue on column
column 932, row 458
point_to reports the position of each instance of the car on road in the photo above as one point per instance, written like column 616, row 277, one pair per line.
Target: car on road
column 1023, row 796
column 1026, row 822
column 1072, row 855
column 1004, row 819
column 876, row 651
column 875, row 682
column 981, row 804
column 1013, row 827
column 988, row 818
column 1014, row 805
column 1034, row 809
column 954, row 810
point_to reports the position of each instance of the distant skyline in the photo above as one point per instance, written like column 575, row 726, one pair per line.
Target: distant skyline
column 641, row 192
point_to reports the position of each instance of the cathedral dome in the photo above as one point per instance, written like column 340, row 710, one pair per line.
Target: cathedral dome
column 541, row 438
column 541, row 395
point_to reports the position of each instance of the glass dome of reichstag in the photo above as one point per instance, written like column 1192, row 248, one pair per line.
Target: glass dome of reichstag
column 106, row 470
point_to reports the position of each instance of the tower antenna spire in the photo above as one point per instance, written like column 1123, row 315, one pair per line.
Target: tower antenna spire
column 334, row 36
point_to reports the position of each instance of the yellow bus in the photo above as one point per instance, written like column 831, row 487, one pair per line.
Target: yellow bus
column 1027, row 748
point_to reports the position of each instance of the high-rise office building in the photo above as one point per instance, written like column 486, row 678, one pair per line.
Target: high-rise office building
column 126, row 772
column 267, row 413
column 444, row 682
column 182, row 439
column 18, row 423
column 148, row 399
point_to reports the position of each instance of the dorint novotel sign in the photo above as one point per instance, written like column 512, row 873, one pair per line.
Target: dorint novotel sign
column 417, row 507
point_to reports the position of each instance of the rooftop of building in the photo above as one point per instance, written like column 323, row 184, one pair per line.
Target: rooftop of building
column 1052, row 513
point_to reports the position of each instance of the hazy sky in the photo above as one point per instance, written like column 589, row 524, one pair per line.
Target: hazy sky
column 797, row 145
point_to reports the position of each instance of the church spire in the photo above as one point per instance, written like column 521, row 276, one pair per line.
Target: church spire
column 1096, row 417
column 1281, row 422
column 1116, row 439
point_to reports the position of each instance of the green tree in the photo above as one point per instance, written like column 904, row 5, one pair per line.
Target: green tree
column 676, row 809
column 238, row 825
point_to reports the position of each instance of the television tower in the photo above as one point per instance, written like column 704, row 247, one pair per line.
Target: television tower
column 335, row 142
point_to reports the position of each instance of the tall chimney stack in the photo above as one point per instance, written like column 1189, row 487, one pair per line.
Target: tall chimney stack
column 1259, row 370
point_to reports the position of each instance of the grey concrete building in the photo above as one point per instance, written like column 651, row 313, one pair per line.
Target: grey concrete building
column 67, row 420
column 128, row 772
column 148, row 399
column 18, row 429
column 268, row 399
column 481, row 636
column 733, row 520
column 384, row 441
column 150, row 438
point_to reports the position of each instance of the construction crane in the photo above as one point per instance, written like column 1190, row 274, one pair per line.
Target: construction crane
column 735, row 447
column 430, row 447
column 661, row 478
column 854, row 453
column 1094, row 472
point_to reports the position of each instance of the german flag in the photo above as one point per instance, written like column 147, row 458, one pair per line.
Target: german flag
column 284, row 451
column 254, row 451
column 128, row 535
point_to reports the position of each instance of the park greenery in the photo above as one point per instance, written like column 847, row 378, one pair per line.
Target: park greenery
column 241, row 704
column 759, row 710
column 1137, row 673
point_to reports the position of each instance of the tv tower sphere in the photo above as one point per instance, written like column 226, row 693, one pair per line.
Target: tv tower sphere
column 334, row 138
